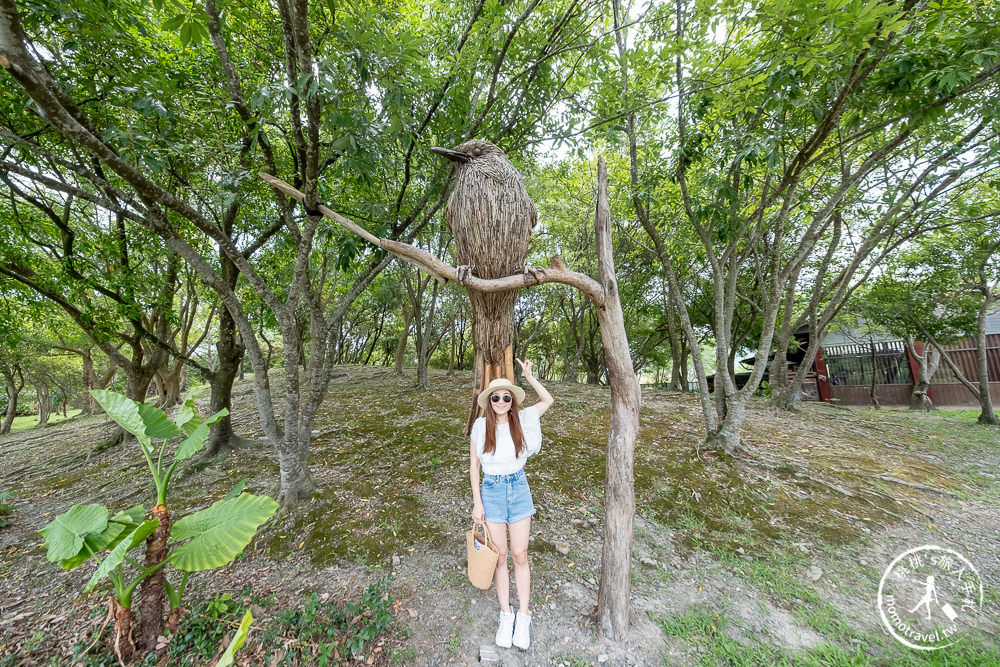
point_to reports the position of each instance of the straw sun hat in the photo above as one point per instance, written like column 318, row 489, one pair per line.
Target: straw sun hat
column 500, row 383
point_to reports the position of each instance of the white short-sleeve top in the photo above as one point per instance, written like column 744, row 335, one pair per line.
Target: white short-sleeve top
column 502, row 461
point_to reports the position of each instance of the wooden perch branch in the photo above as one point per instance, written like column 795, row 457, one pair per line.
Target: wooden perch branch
column 556, row 273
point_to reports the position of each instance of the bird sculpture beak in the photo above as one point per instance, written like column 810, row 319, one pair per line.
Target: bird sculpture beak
column 454, row 156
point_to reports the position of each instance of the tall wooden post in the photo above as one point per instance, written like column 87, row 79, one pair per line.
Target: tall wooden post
column 619, row 485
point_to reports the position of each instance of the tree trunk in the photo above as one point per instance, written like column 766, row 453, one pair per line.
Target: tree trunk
column 222, row 438
column 727, row 437
column 296, row 483
column 451, row 359
column 44, row 404
column 230, row 353
column 986, row 415
column 169, row 384
column 424, row 339
column 619, row 486
column 871, row 386
column 462, row 344
column 152, row 591
column 89, row 381
column 13, row 391
column 676, row 348
column 401, row 347
column 927, row 361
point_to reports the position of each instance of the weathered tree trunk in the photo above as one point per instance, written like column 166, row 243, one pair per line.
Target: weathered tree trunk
column 685, row 350
column 619, row 488
column 727, row 437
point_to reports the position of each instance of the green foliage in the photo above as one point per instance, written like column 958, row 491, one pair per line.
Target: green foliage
column 203, row 628
column 312, row 632
column 64, row 535
column 320, row 627
column 206, row 539
column 220, row 532
column 146, row 423
column 237, row 643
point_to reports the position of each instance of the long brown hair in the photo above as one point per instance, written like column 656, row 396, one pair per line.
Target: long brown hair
column 513, row 420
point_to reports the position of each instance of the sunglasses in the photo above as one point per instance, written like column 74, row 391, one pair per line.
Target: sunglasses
column 496, row 398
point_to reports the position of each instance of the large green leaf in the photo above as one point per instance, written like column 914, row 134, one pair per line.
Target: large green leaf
column 158, row 425
column 187, row 417
column 220, row 532
column 125, row 411
column 196, row 440
column 107, row 538
column 117, row 555
column 64, row 535
column 227, row 658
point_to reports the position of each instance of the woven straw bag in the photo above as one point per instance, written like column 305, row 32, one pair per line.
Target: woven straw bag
column 482, row 561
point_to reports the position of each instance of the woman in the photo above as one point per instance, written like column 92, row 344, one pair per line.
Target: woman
column 501, row 442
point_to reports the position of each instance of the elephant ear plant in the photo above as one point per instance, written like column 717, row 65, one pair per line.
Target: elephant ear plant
column 204, row 540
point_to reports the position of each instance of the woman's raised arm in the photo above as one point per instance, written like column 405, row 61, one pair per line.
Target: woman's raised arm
column 545, row 399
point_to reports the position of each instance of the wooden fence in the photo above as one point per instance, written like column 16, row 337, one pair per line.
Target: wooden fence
column 851, row 366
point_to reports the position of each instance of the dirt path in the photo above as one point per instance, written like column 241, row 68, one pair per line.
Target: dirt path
column 785, row 546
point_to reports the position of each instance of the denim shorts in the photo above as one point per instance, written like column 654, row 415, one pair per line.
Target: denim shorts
column 507, row 498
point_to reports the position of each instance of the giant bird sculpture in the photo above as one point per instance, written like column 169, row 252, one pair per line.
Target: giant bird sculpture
column 491, row 217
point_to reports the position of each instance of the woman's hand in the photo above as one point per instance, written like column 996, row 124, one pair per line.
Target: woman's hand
column 526, row 368
column 478, row 513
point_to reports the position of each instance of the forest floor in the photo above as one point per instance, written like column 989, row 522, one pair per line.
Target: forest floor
column 773, row 557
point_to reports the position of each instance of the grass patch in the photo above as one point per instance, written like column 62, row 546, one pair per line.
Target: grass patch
column 31, row 421
column 770, row 572
column 704, row 630
column 707, row 636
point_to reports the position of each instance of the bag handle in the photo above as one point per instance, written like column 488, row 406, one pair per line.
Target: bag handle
column 486, row 533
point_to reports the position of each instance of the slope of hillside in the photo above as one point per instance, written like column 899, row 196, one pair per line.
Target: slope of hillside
column 774, row 556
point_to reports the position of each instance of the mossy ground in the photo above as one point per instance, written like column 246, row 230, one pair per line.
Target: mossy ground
column 825, row 487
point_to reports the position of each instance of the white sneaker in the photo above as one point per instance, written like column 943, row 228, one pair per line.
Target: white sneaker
column 522, row 631
column 506, row 629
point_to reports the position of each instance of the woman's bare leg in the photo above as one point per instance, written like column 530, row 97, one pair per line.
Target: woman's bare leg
column 519, row 532
column 501, row 579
